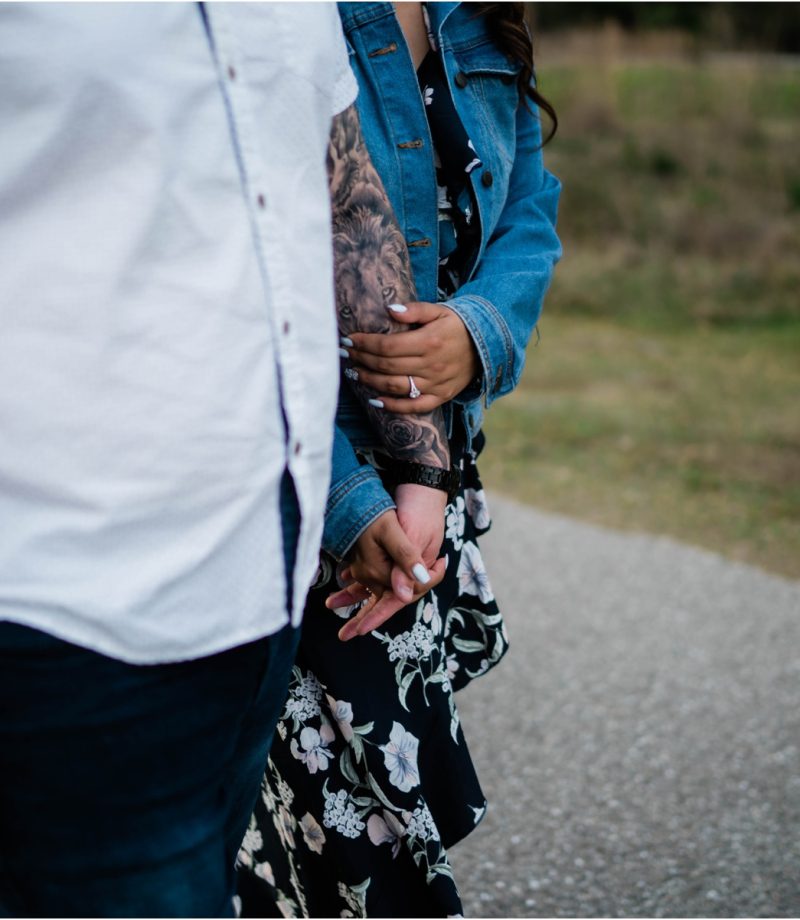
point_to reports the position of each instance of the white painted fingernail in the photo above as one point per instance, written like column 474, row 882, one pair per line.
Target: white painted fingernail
column 375, row 402
column 397, row 308
column 343, row 353
column 345, row 341
column 421, row 573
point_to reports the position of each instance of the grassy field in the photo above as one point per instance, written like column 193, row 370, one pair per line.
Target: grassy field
column 664, row 394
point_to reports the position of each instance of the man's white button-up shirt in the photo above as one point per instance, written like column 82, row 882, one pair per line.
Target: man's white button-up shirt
column 167, row 325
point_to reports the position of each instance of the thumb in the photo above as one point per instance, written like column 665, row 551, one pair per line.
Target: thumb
column 418, row 312
column 407, row 559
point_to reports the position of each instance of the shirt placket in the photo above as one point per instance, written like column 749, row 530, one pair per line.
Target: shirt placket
column 271, row 258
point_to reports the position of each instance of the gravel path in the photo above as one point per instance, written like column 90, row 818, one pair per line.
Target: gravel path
column 640, row 744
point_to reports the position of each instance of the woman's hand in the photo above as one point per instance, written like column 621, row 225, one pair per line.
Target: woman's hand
column 440, row 355
column 420, row 517
column 385, row 557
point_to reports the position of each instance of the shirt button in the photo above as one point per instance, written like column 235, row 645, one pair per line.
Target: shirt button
column 262, row 202
column 286, row 328
column 231, row 71
column 298, row 447
column 486, row 179
column 461, row 79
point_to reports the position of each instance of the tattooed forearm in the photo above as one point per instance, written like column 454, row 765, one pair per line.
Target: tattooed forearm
column 372, row 269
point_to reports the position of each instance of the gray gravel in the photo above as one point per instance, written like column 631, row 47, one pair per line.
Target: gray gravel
column 640, row 744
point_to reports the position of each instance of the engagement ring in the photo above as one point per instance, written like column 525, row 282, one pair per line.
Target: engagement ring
column 414, row 392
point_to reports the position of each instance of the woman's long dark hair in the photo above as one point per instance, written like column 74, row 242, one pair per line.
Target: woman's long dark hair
column 506, row 24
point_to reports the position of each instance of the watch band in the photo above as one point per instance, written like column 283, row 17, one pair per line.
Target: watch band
column 432, row 476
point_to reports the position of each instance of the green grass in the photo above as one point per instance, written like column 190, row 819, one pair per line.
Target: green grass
column 665, row 393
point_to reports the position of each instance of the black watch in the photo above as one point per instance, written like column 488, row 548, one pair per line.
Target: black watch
column 432, row 476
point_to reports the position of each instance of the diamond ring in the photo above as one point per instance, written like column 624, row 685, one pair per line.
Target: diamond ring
column 414, row 391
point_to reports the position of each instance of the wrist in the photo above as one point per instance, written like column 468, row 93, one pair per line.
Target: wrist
column 447, row 481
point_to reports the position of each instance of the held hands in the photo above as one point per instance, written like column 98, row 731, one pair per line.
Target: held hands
column 386, row 563
column 440, row 355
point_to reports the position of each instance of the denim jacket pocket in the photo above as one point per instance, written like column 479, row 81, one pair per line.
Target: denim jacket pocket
column 492, row 78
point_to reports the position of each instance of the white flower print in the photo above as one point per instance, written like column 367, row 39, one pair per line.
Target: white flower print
column 304, row 698
column 452, row 666
column 477, row 508
column 284, row 825
column 478, row 813
column 386, row 829
column 427, row 94
column 342, row 713
column 430, row 612
column 313, row 835
column 340, row 812
column 421, row 824
column 414, row 643
column 454, row 522
column 356, row 899
column 346, row 612
column 314, row 754
column 472, row 577
column 285, row 791
column 400, row 758
column 476, row 160
column 264, row 870
column 253, row 841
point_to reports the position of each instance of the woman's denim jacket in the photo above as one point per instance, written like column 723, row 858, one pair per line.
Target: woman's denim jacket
column 517, row 201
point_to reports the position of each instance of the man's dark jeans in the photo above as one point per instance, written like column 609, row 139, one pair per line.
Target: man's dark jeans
column 126, row 790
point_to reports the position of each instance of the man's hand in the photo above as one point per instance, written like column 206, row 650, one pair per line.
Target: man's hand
column 440, row 355
column 420, row 521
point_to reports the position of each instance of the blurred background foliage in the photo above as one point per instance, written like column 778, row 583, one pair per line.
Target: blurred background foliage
column 664, row 394
column 755, row 26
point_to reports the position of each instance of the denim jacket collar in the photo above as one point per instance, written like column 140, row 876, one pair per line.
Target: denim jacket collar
column 437, row 13
column 353, row 14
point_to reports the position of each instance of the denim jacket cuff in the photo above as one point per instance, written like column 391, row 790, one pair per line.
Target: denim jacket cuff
column 353, row 504
column 494, row 342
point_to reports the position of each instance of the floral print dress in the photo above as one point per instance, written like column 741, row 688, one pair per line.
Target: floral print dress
column 370, row 779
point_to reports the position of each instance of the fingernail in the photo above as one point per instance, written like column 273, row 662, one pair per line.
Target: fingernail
column 375, row 402
column 345, row 341
column 397, row 308
column 343, row 353
column 405, row 593
column 421, row 573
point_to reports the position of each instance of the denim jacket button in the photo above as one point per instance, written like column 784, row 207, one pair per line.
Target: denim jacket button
column 461, row 79
column 487, row 178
